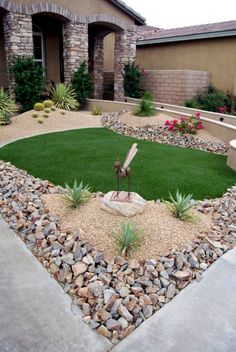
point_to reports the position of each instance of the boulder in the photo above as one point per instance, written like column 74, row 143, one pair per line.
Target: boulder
column 123, row 207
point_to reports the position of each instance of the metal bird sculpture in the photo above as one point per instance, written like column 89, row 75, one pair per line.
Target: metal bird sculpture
column 124, row 171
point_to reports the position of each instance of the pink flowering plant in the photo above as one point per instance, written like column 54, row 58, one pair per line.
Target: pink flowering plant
column 223, row 109
column 185, row 125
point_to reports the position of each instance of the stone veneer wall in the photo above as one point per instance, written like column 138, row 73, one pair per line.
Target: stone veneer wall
column 75, row 41
column 125, row 51
column 98, row 67
column 175, row 86
column 18, row 35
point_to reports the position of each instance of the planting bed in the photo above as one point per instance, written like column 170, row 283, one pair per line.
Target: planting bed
column 116, row 294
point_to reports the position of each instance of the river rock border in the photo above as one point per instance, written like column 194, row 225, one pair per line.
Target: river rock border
column 116, row 295
column 160, row 134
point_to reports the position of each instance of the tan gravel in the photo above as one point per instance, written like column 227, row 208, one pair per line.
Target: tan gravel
column 25, row 125
column 135, row 121
column 162, row 232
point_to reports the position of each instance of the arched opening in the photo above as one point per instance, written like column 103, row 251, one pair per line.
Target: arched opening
column 48, row 44
column 3, row 61
column 101, row 58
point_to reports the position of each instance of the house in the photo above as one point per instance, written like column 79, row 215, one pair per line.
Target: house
column 61, row 34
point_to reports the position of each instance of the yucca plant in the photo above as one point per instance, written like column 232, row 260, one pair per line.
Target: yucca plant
column 128, row 238
column 76, row 195
column 64, row 97
column 7, row 106
column 180, row 206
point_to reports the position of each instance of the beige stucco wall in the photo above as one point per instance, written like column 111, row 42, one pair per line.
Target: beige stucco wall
column 109, row 42
column 216, row 56
column 3, row 66
column 86, row 7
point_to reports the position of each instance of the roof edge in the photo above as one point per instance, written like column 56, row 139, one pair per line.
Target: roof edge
column 139, row 19
column 181, row 38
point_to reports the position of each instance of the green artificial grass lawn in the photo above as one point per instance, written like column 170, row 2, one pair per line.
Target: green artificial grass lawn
column 89, row 155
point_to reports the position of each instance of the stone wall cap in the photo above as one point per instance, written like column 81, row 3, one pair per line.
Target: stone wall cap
column 233, row 144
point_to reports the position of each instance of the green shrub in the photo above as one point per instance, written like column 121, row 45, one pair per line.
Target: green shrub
column 146, row 107
column 35, row 115
column 45, row 116
column 48, row 103
column 38, row 107
column 180, row 206
column 82, row 84
column 7, row 106
column 132, row 80
column 29, row 81
column 97, row 110
column 64, row 97
column 76, row 195
column 128, row 238
column 40, row 121
column 47, row 111
column 192, row 103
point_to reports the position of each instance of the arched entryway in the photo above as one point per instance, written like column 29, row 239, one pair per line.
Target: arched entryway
column 48, row 44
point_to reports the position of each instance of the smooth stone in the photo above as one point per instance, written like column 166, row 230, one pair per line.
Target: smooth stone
column 128, row 209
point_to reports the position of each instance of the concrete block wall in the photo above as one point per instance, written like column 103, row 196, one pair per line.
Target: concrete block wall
column 175, row 86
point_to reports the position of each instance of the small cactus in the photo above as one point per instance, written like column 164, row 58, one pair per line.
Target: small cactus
column 53, row 108
column 47, row 111
column 38, row 107
column 63, row 112
column 35, row 115
column 48, row 103
column 40, row 121
column 45, row 116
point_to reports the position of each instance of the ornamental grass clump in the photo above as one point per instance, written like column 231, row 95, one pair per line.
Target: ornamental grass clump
column 180, row 206
column 76, row 195
column 64, row 97
column 128, row 238
column 97, row 110
column 7, row 106
column 146, row 107
column 185, row 125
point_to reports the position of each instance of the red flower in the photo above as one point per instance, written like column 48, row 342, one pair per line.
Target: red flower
column 197, row 115
column 167, row 123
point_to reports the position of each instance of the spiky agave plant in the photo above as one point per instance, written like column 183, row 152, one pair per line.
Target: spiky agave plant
column 180, row 206
column 64, row 97
column 7, row 106
column 76, row 195
column 128, row 238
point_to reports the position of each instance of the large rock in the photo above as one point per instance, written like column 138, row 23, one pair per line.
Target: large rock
column 128, row 208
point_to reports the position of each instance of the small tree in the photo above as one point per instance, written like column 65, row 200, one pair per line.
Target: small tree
column 82, row 83
column 28, row 81
column 132, row 80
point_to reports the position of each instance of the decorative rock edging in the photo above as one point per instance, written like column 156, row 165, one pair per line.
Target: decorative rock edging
column 160, row 134
column 117, row 295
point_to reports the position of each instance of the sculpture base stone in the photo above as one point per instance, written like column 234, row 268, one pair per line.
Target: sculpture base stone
column 123, row 205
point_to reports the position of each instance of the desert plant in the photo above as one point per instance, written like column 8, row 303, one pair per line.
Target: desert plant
column 40, row 121
column 53, row 108
column 128, row 238
column 146, row 107
column 28, row 81
column 186, row 124
column 192, row 103
column 97, row 110
column 38, row 106
column 64, row 97
column 76, row 195
column 35, row 115
column 63, row 112
column 45, row 116
column 132, row 80
column 180, row 206
column 47, row 111
column 5, row 118
column 82, row 83
column 48, row 103
column 7, row 106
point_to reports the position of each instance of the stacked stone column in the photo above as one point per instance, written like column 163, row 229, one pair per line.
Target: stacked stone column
column 18, row 34
column 98, row 67
column 125, row 51
column 75, row 43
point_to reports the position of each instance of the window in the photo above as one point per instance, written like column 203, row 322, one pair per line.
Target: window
column 38, row 43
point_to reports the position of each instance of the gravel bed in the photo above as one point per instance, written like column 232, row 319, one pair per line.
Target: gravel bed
column 116, row 295
column 162, row 231
column 117, row 122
